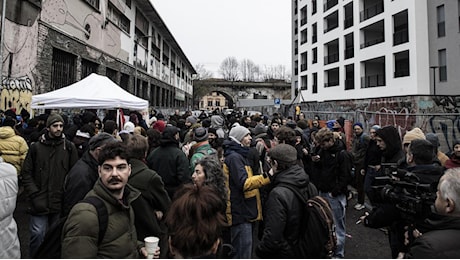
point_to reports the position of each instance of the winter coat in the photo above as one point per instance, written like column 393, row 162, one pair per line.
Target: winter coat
column 44, row 170
column 80, row 233
column 171, row 164
column 9, row 246
column 283, row 215
column 358, row 150
column 245, row 205
column 79, row 181
column 442, row 241
column 453, row 162
column 217, row 122
column 334, row 169
column 13, row 147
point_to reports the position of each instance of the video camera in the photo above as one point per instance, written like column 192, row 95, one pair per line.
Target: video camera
column 403, row 189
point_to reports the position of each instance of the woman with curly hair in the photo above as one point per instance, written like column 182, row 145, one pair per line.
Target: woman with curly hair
column 208, row 171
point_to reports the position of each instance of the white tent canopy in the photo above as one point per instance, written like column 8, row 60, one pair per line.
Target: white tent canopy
column 92, row 92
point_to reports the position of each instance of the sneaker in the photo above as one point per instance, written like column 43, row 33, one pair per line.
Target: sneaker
column 359, row 206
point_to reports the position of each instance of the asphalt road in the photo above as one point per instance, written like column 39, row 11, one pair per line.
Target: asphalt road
column 361, row 242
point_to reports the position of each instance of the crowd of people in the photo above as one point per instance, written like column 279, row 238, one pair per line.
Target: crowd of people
column 207, row 186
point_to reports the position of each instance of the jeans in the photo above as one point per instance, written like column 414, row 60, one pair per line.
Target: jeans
column 38, row 226
column 371, row 173
column 241, row 236
column 338, row 209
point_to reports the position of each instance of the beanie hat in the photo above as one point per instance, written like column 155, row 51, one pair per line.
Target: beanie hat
column 413, row 134
column 129, row 126
column 239, row 132
column 159, row 125
column 100, row 140
column 200, row 134
column 284, row 153
column 433, row 139
column 191, row 119
column 376, row 127
column 330, row 124
column 259, row 129
column 358, row 124
column 9, row 121
column 53, row 118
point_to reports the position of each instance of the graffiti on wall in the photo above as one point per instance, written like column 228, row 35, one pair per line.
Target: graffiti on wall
column 16, row 93
column 439, row 115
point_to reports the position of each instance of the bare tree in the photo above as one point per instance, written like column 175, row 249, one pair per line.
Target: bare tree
column 229, row 69
column 249, row 70
column 202, row 72
column 275, row 72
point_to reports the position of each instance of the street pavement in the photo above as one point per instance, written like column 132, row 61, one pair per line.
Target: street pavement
column 361, row 242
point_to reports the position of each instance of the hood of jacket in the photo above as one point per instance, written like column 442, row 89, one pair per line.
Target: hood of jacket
column 295, row 175
column 6, row 132
column 217, row 121
column 231, row 146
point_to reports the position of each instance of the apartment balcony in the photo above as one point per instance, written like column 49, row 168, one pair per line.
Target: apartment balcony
column 371, row 11
column 373, row 81
column 334, row 57
column 329, row 4
column 400, row 37
column 349, row 52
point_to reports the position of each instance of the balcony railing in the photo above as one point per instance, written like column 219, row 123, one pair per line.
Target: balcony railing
column 331, row 83
column 400, row 37
column 373, row 81
column 348, row 22
column 371, row 11
column 331, row 26
column 372, row 42
column 329, row 4
column 331, row 58
column 401, row 73
column 349, row 52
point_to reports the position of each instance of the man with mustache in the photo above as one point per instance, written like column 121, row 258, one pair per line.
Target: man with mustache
column 81, row 238
column 46, row 165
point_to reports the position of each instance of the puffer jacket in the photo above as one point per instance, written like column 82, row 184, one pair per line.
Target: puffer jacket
column 12, row 147
column 283, row 215
column 9, row 246
column 245, row 204
column 80, row 235
column 44, row 170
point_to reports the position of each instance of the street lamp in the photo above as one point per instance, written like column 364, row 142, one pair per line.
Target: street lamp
column 136, row 43
column 434, row 78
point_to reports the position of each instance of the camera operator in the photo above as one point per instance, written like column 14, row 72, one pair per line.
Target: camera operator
column 420, row 170
column 442, row 240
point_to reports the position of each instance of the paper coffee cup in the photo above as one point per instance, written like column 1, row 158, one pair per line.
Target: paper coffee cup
column 151, row 244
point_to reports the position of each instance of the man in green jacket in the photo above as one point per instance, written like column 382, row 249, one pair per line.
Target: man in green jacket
column 80, row 235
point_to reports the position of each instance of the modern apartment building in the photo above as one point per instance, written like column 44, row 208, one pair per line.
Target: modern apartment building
column 357, row 49
column 50, row 44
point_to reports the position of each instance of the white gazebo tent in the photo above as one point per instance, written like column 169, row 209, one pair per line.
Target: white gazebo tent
column 93, row 92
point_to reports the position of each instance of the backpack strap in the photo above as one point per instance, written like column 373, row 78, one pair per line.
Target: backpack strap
column 102, row 213
column 296, row 191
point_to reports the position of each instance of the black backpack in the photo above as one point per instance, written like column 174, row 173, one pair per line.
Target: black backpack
column 50, row 248
column 317, row 236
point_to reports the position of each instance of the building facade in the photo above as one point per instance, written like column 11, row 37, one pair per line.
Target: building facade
column 51, row 44
column 357, row 49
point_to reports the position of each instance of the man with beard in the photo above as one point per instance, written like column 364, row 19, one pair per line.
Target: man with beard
column 44, row 170
column 80, row 237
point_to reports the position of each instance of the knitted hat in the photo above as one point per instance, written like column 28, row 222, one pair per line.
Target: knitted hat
column 200, row 134
column 413, row 134
column 259, row 129
column 376, row 127
column 53, row 118
column 100, row 140
column 191, row 119
column 129, row 126
column 433, row 139
column 284, row 153
column 239, row 132
column 358, row 124
column 159, row 125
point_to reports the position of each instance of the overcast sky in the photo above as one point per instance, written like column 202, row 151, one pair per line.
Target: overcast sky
column 209, row 31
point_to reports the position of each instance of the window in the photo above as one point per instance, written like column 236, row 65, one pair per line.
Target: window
column 315, row 83
column 217, row 103
column 313, row 7
column 209, row 103
column 93, row 3
column 88, row 67
column 314, row 37
column 303, row 60
column 64, row 69
column 303, row 83
column 303, row 36
column 442, row 59
column 348, row 22
column 303, row 15
column 117, row 18
column 314, row 58
column 401, row 28
column 402, row 64
column 441, row 21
